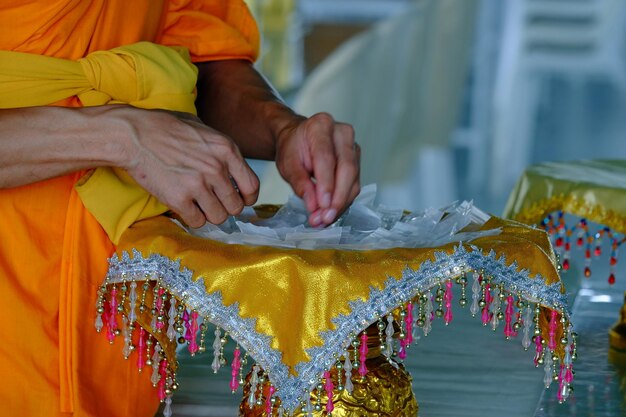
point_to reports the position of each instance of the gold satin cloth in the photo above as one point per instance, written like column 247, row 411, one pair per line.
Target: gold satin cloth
column 593, row 189
column 295, row 294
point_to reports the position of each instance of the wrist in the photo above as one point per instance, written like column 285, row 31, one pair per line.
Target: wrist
column 282, row 122
column 113, row 130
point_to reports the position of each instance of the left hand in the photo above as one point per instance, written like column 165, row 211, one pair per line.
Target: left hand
column 320, row 159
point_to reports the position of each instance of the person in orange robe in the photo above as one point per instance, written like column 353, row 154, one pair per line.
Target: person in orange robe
column 53, row 252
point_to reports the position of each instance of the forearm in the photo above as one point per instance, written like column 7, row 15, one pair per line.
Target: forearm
column 38, row 143
column 234, row 99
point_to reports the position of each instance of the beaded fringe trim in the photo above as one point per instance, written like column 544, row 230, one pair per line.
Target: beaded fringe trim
column 562, row 236
column 181, row 307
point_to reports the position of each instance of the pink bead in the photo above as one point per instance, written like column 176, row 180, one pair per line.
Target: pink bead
column 447, row 317
column 363, row 355
column 235, row 366
column 328, row 386
column 268, row 401
column 112, row 320
column 187, row 325
column 402, row 351
column 408, row 323
column 113, row 300
column 552, row 332
column 109, row 321
column 141, row 346
column 159, row 300
column 508, row 317
column 485, row 316
column 193, row 332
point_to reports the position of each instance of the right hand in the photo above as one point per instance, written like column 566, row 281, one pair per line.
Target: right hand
column 196, row 171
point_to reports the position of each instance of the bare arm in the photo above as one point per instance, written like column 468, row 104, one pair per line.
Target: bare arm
column 184, row 163
column 38, row 143
column 317, row 156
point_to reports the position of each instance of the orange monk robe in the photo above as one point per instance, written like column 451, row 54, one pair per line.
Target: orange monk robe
column 52, row 251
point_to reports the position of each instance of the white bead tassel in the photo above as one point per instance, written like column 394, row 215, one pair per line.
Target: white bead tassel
column 347, row 366
column 567, row 363
column 132, row 302
column 389, row 337
column 495, row 309
column 476, row 290
column 98, row 323
column 528, row 322
column 156, row 359
column 254, row 381
column 547, row 378
column 167, row 410
column 171, row 331
column 217, row 348
column 428, row 310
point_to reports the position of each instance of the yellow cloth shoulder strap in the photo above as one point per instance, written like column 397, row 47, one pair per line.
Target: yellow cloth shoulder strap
column 143, row 75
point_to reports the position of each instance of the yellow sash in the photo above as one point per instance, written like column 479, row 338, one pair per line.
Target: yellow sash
column 143, row 75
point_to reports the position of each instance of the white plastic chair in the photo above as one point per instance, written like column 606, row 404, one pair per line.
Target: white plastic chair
column 580, row 40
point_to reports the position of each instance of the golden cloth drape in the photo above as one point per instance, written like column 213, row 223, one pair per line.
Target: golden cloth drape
column 592, row 189
column 293, row 309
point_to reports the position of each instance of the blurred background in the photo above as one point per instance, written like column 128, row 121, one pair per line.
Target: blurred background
column 452, row 99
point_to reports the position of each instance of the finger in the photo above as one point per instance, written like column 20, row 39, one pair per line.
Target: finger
column 328, row 216
column 300, row 180
column 212, row 209
column 315, row 218
column 191, row 214
column 245, row 179
column 227, row 193
column 347, row 174
column 323, row 156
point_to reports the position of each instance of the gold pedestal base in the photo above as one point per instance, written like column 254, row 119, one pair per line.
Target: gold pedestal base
column 384, row 392
column 617, row 339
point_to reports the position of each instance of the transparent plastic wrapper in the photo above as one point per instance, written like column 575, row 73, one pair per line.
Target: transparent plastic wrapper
column 365, row 225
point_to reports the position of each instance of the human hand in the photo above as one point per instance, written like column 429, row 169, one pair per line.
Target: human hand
column 196, row 171
column 320, row 159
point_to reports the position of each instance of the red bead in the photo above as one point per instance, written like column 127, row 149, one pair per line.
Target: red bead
column 597, row 251
column 613, row 260
column 587, row 253
column 612, row 279
column 579, row 241
column 587, row 272
column 559, row 241
column 567, row 246
column 566, row 264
